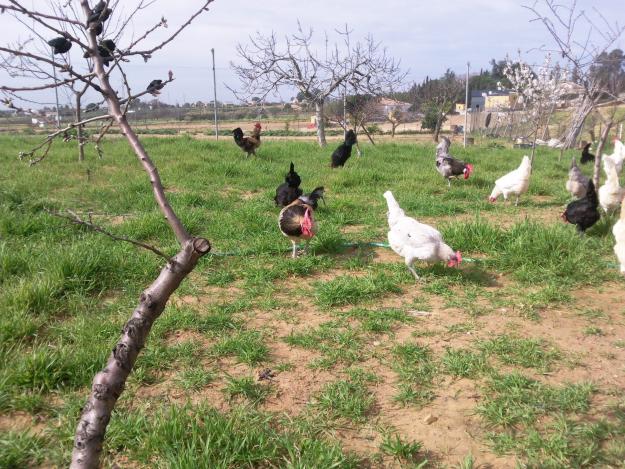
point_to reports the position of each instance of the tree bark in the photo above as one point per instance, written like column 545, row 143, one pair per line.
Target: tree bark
column 577, row 124
column 109, row 383
column 437, row 129
column 79, row 132
column 603, row 139
column 364, row 129
column 321, row 128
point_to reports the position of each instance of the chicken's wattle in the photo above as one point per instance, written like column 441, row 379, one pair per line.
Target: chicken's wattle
column 307, row 225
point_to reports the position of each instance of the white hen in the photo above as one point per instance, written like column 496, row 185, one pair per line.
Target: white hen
column 611, row 193
column 515, row 182
column 416, row 241
column 616, row 158
column 619, row 235
column 577, row 182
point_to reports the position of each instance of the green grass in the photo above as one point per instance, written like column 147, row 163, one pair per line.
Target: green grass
column 347, row 398
column 65, row 293
column 247, row 346
column 405, row 451
column 247, row 388
column 542, row 424
column 416, row 369
column 18, row 449
column 528, row 353
column 349, row 290
column 464, row 363
column 205, row 437
column 336, row 341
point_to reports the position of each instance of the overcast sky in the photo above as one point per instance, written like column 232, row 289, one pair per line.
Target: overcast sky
column 428, row 36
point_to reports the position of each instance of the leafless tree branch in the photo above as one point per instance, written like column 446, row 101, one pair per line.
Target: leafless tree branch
column 29, row 60
column 75, row 219
column 267, row 66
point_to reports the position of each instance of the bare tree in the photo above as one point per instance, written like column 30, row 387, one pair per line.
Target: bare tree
column 268, row 66
column 395, row 117
column 78, row 26
column 583, row 40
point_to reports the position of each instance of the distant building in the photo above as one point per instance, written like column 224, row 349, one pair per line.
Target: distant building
column 492, row 100
column 385, row 105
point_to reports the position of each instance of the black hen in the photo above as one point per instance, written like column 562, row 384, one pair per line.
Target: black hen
column 105, row 49
column 587, row 157
column 60, row 45
column 99, row 14
column 583, row 212
column 289, row 190
column 154, row 87
column 344, row 151
column 312, row 198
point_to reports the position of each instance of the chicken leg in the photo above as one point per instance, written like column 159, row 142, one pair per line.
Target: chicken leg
column 516, row 203
column 412, row 269
column 294, row 255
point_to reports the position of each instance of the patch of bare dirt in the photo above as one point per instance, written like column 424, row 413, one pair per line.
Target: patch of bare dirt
column 453, row 430
column 247, row 195
column 296, row 387
column 21, row 421
column 350, row 229
column 182, row 335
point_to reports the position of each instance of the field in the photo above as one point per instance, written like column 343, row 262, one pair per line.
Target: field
column 514, row 359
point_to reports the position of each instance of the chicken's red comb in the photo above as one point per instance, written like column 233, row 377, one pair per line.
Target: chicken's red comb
column 258, row 125
column 468, row 170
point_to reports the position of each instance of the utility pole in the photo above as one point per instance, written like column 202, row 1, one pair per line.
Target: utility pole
column 215, row 95
column 466, row 106
column 56, row 94
column 344, row 111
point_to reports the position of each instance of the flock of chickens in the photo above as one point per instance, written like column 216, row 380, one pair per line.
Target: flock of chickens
column 417, row 241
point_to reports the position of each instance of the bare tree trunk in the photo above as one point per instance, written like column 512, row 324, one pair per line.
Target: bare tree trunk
column 364, row 129
column 604, row 138
column 109, row 383
column 577, row 124
column 321, row 131
column 79, row 132
column 393, row 127
column 437, row 129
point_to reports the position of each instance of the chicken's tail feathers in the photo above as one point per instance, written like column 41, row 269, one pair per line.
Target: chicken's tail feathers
column 573, row 163
column 292, row 168
column 237, row 134
column 468, row 169
column 394, row 210
column 390, row 200
column 591, row 193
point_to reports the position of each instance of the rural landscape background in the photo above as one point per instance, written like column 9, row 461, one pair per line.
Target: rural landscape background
column 336, row 358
